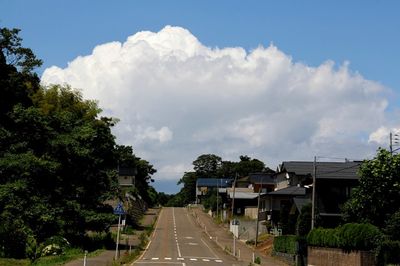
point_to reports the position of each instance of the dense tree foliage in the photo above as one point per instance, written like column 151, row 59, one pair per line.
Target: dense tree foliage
column 207, row 165
column 376, row 199
column 58, row 158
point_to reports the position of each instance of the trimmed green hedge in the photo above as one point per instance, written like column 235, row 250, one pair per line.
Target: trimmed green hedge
column 285, row 244
column 350, row 236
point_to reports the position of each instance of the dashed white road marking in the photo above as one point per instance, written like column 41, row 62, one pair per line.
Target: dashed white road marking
column 177, row 243
column 154, row 258
column 218, row 260
column 193, row 259
column 167, row 258
column 206, row 260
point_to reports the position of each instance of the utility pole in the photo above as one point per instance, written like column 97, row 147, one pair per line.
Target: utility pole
column 313, row 193
column 119, row 228
column 217, row 199
column 233, row 206
column 258, row 212
column 391, row 143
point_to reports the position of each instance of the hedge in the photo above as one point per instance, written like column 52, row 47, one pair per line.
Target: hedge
column 285, row 244
column 350, row 236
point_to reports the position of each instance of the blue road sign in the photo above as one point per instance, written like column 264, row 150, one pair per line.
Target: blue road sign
column 119, row 210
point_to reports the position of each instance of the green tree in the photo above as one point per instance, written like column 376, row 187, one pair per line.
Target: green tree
column 376, row 198
column 57, row 158
column 188, row 192
column 303, row 225
column 207, row 165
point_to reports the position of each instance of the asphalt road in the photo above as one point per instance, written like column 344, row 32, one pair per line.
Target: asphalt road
column 177, row 240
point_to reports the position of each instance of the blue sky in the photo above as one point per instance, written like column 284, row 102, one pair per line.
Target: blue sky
column 364, row 33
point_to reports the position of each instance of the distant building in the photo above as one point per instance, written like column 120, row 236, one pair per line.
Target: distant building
column 126, row 176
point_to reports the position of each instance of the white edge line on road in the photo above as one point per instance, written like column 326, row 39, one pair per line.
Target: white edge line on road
column 160, row 262
column 212, row 251
column 152, row 236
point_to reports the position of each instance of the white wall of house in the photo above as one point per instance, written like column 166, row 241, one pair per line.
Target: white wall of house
column 251, row 212
column 126, row 180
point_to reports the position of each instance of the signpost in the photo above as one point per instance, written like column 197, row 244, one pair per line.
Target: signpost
column 119, row 210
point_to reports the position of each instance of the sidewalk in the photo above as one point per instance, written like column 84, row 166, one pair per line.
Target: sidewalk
column 106, row 258
column 224, row 239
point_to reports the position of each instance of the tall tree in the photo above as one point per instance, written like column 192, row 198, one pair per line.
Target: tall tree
column 57, row 159
column 376, row 199
column 207, row 165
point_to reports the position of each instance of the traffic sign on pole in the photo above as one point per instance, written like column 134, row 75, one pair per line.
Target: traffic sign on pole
column 119, row 210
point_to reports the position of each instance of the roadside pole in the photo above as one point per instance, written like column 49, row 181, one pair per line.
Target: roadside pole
column 233, row 220
column 118, row 211
column 85, row 258
column 119, row 227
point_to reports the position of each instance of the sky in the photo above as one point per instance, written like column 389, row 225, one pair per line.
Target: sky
column 274, row 80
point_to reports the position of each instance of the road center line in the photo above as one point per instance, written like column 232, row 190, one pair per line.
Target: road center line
column 177, row 243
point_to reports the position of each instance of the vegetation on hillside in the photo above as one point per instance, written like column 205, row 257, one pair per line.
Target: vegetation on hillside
column 58, row 158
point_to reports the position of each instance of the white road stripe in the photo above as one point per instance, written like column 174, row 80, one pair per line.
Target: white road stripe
column 206, row 260
column 177, row 244
column 218, row 260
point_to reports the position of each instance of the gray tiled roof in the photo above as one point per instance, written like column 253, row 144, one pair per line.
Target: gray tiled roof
column 325, row 170
column 292, row 190
column 214, row 182
column 258, row 178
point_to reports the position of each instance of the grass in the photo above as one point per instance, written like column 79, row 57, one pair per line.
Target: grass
column 144, row 238
column 14, row 262
column 67, row 256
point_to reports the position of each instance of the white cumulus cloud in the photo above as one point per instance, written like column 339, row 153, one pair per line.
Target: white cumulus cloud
column 177, row 98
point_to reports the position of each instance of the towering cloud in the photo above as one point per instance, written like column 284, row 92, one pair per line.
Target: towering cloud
column 178, row 98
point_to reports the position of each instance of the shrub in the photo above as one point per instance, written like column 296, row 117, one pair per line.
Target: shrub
column 350, row 236
column 31, row 248
column 303, row 225
column 359, row 236
column 54, row 245
column 97, row 240
column 285, row 244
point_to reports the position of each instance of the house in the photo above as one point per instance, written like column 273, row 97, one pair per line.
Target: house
column 245, row 201
column 204, row 185
column 126, row 176
column 263, row 181
column 334, row 182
